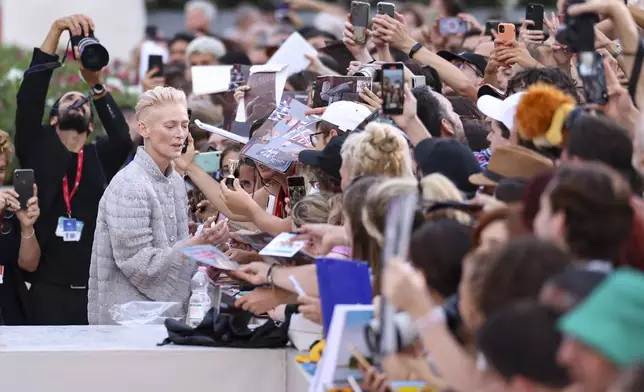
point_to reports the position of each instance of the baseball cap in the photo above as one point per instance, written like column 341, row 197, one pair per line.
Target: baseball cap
column 479, row 62
column 328, row 160
column 500, row 110
column 346, row 115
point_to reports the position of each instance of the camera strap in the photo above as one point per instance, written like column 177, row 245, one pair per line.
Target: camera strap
column 48, row 66
column 637, row 69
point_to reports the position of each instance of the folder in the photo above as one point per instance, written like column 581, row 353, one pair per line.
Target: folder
column 342, row 282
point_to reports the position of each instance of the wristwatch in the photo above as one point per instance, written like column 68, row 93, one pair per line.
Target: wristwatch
column 98, row 89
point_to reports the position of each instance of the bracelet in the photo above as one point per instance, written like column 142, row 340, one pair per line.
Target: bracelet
column 432, row 319
column 269, row 274
column 33, row 233
column 414, row 49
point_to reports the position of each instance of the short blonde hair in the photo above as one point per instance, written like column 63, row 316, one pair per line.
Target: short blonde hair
column 379, row 150
column 6, row 146
column 158, row 96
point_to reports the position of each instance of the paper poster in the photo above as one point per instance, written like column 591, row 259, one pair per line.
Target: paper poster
column 213, row 79
column 329, row 89
column 292, row 52
column 280, row 139
column 266, row 85
column 210, row 255
column 283, row 246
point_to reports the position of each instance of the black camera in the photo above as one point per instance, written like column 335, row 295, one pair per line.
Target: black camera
column 578, row 32
column 501, row 29
column 92, row 54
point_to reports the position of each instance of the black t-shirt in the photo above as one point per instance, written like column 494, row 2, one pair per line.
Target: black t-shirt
column 12, row 290
column 67, row 263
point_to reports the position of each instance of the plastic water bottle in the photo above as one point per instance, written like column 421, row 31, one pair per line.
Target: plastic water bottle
column 199, row 303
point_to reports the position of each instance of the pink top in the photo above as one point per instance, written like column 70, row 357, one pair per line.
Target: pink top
column 342, row 250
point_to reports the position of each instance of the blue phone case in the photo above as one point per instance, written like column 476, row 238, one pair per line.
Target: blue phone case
column 209, row 161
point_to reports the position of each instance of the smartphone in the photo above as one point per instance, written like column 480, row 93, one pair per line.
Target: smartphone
column 210, row 161
column 491, row 25
column 590, row 68
column 360, row 19
column 452, row 26
column 393, row 93
column 386, row 9
column 507, row 32
column 418, row 80
column 364, row 363
column 296, row 189
column 534, row 12
column 23, row 184
column 155, row 61
column 281, row 13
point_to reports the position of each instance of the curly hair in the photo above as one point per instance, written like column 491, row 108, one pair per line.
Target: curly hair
column 595, row 200
column 554, row 76
column 6, row 146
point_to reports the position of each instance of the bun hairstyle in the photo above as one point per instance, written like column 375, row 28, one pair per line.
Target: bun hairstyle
column 541, row 115
column 6, row 146
column 379, row 150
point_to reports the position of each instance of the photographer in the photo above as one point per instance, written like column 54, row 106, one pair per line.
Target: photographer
column 71, row 175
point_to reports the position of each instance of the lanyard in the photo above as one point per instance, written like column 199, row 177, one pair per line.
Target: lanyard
column 67, row 195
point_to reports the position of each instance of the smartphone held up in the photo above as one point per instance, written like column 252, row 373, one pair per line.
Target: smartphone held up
column 393, row 91
column 360, row 11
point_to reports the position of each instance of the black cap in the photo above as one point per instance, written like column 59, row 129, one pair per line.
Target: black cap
column 488, row 89
column 449, row 157
column 478, row 61
column 328, row 160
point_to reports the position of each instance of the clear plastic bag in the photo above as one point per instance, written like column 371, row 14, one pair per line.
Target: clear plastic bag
column 146, row 312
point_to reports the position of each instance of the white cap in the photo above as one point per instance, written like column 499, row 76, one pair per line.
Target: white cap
column 500, row 110
column 346, row 115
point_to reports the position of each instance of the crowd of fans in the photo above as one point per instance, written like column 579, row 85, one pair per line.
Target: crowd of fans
column 524, row 269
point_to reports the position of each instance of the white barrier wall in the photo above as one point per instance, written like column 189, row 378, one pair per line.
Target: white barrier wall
column 120, row 24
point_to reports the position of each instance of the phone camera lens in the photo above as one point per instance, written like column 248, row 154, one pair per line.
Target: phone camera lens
column 502, row 29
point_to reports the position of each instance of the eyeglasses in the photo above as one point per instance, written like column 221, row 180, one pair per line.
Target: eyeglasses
column 464, row 64
column 6, row 225
column 314, row 138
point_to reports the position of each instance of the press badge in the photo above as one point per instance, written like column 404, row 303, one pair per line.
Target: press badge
column 69, row 230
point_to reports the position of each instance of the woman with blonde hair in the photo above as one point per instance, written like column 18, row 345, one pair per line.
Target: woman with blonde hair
column 19, row 248
column 142, row 224
column 438, row 188
column 379, row 150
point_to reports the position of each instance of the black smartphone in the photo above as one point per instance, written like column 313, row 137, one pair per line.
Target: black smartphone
column 534, row 12
column 491, row 25
column 386, row 9
column 155, row 61
column 393, row 92
column 360, row 19
column 23, row 183
column 296, row 189
column 590, row 68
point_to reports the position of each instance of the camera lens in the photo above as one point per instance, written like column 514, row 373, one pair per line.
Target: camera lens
column 501, row 29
